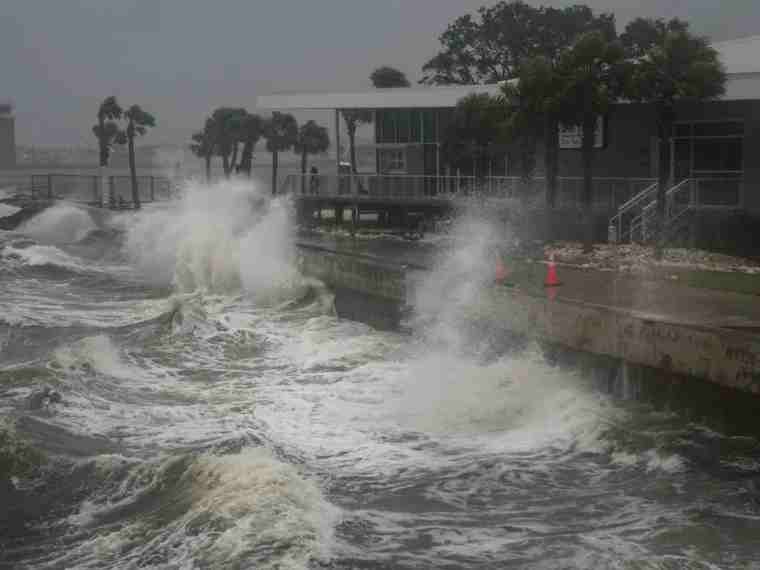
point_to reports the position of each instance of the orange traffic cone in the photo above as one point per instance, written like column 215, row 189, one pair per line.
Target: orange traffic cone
column 551, row 274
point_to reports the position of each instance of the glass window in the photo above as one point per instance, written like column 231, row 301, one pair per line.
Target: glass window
column 386, row 129
column 728, row 128
column 414, row 126
column 428, row 126
column 402, row 125
column 717, row 154
column 682, row 130
column 392, row 160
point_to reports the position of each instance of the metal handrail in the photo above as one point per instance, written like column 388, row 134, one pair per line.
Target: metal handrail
column 637, row 198
column 617, row 219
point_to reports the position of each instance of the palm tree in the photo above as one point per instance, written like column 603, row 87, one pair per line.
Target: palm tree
column 474, row 128
column 668, row 65
column 281, row 132
column 531, row 111
column 252, row 129
column 591, row 75
column 106, row 131
column 386, row 76
column 353, row 118
column 228, row 126
column 312, row 139
column 204, row 145
column 138, row 122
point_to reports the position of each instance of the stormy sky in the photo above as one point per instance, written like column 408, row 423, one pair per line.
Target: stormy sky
column 180, row 58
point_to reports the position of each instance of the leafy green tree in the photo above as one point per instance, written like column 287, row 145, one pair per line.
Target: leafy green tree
column 667, row 65
column 591, row 76
column 138, row 122
column 204, row 145
column 386, row 76
column 228, row 132
column 485, row 48
column 353, row 118
column 281, row 132
column 532, row 106
column 514, row 40
column 251, row 131
column 642, row 34
column 474, row 129
column 312, row 139
column 106, row 129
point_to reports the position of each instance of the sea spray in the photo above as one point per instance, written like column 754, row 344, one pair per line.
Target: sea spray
column 218, row 238
column 60, row 224
column 459, row 276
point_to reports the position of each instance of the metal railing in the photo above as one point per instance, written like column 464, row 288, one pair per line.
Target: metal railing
column 689, row 194
column 633, row 208
column 608, row 193
column 86, row 188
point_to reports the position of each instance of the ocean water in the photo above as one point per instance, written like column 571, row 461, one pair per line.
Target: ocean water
column 213, row 412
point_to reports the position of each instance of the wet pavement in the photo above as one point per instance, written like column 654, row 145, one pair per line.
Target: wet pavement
column 641, row 293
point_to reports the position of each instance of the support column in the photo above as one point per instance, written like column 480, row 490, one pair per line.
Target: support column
column 339, row 215
column 337, row 141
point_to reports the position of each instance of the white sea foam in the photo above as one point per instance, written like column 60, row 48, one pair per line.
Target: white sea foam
column 60, row 224
column 39, row 255
column 7, row 210
column 247, row 509
column 217, row 238
column 97, row 354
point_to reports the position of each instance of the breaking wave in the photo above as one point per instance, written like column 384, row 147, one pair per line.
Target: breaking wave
column 219, row 238
column 218, row 511
column 60, row 224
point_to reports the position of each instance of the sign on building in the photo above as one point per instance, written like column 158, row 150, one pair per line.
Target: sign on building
column 572, row 137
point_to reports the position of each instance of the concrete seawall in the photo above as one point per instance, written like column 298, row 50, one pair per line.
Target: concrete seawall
column 722, row 356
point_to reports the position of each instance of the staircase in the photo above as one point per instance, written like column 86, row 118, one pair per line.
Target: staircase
column 636, row 220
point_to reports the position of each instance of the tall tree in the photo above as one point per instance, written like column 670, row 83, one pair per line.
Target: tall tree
column 106, row 131
column 473, row 131
column 533, row 108
column 668, row 65
column 251, row 131
column 642, row 34
column 281, row 132
column 204, row 145
column 591, row 76
column 312, row 139
column 510, row 40
column 228, row 126
column 353, row 118
column 106, row 128
column 485, row 48
column 138, row 122
column 541, row 83
column 386, row 76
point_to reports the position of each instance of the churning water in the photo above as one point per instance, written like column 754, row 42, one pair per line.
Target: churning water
column 214, row 413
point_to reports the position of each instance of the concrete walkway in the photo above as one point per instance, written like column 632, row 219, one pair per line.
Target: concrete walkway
column 658, row 299
column 653, row 298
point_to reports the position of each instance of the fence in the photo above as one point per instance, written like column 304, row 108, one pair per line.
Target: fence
column 86, row 188
column 608, row 193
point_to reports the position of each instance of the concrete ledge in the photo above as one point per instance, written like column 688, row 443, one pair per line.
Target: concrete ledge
column 726, row 357
column 723, row 356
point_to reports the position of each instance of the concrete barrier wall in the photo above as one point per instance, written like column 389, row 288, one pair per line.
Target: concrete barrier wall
column 723, row 356
column 365, row 274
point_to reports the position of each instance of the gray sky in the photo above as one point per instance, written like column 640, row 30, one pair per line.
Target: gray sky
column 181, row 58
